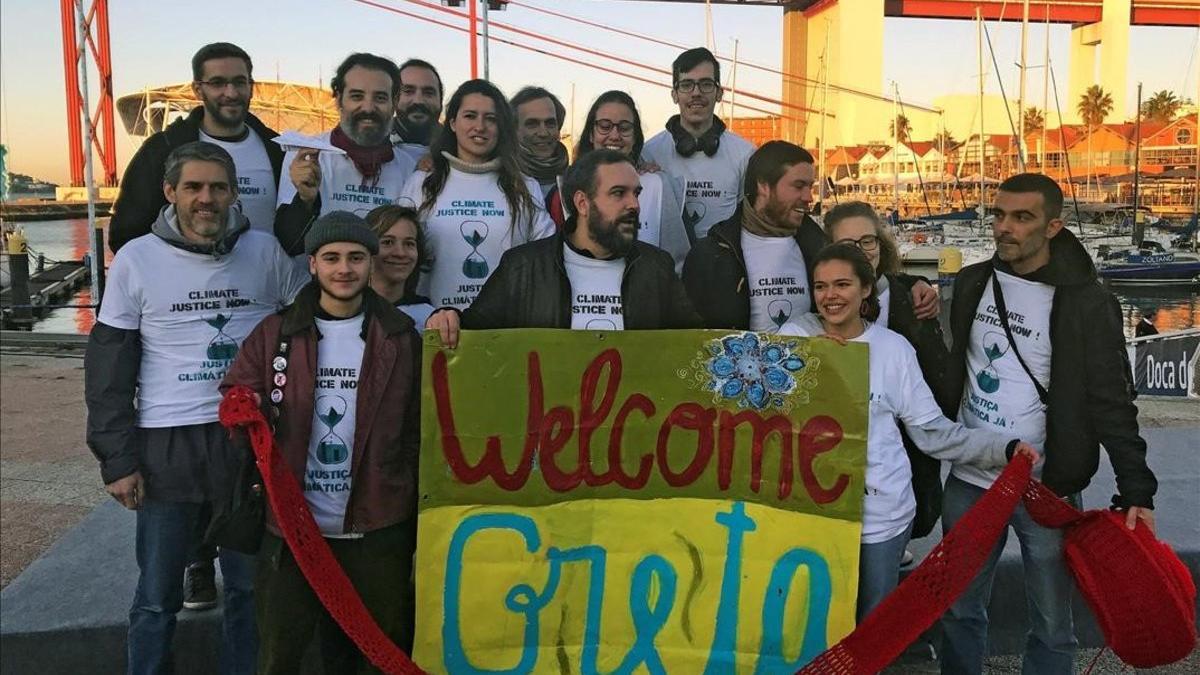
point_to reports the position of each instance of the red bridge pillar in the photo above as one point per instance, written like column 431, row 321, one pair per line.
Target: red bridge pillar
column 103, row 125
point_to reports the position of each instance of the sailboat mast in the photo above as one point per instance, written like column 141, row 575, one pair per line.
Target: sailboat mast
column 1046, row 94
column 1138, row 223
column 1021, row 88
column 824, row 113
column 896, row 147
column 979, row 41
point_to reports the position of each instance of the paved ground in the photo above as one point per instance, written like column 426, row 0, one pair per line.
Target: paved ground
column 49, row 480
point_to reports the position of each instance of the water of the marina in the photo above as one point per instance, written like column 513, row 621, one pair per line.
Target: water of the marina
column 1178, row 307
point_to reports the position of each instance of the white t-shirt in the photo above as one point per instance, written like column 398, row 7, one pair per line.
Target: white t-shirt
column 712, row 185
column 998, row 394
column 327, row 476
column 418, row 312
column 256, row 179
column 650, row 204
column 342, row 186
column 466, row 231
column 883, row 290
column 899, row 394
column 193, row 312
column 778, row 280
column 596, row 302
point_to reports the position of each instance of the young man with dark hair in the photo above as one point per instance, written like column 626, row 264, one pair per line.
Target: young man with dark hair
column 540, row 116
column 177, row 305
column 697, row 148
column 222, row 79
column 344, row 389
column 595, row 275
column 418, row 107
column 363, row 170
column 752, row 271
column 1039, row 351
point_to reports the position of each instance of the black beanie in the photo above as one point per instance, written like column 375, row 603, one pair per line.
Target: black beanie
column 340, row 226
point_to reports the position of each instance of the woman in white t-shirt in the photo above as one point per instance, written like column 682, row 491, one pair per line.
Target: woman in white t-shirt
column 844, row 290
column 857, row 223
column 613, row 122
column 474, row 203
column 396, row 268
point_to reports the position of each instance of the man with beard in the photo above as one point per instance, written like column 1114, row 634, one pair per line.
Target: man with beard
column 178, row 303
column 222, row 79
column 696, row 147
column 417, row 108
column 752, row 271
column 543, row 157
column 595, row 275
column 340, row 369
column 368, row 172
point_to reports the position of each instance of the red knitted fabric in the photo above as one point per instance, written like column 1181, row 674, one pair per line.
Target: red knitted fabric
column 312, row 554
column 1141, row 593
column 932, row 587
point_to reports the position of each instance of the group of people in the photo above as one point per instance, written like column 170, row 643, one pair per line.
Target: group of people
column 308, row 276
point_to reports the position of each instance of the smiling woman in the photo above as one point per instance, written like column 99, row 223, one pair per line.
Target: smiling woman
column 474, row 204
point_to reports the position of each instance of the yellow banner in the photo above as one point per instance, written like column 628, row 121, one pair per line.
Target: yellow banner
column 727, row 543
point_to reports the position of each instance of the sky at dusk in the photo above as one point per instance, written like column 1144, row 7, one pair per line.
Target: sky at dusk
column 152, row 44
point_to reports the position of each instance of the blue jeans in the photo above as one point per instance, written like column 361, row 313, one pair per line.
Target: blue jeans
column 879, row 571
column 1050, row 645
column 166, row 535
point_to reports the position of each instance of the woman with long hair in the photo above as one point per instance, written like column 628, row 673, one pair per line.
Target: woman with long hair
column 397, row 267
column 844, row 290
column 613, row 123
column 474, row 204
column 857, row 223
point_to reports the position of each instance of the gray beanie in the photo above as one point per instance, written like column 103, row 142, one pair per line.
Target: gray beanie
column 340, row 226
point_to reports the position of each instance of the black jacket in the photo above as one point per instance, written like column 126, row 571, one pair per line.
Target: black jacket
column 925, row 335
column 142, row 195
column 1090, row 401
column 714, row 272
column 530, row 289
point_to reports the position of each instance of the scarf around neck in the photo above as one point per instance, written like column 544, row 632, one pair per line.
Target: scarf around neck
column 490, row 166
column 754, row 223
column 545, row 170
column 368, row 160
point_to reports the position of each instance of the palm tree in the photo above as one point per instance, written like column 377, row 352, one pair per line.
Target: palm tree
column 1161, row 107
column 1094, row 105
column 945, row 140
column 1035, row 120
column 905, row 128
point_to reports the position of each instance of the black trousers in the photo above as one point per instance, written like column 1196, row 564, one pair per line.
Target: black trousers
column 290, row 616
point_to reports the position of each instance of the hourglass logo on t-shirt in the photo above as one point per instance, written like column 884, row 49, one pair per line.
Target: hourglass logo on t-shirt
column 474, row 232
column 221, row 348
column 327, row 476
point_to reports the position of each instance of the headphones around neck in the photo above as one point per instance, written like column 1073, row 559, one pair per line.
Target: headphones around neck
column 687, row 145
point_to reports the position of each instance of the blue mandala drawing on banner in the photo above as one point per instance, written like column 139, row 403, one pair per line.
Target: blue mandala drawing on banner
column 753, row 371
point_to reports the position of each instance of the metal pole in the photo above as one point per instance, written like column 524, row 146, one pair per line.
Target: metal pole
column 486, row 69
column 473, row 23
column 97, row 232
column 1021, row 90
column 733, row 85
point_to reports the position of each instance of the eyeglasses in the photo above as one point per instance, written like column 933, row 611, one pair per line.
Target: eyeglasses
column 624, row 127
column 706, row 85
column 220, row 83
column 866, row 243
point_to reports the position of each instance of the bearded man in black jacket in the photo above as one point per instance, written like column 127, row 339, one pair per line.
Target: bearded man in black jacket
column 595, row 275
column 222, row 79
